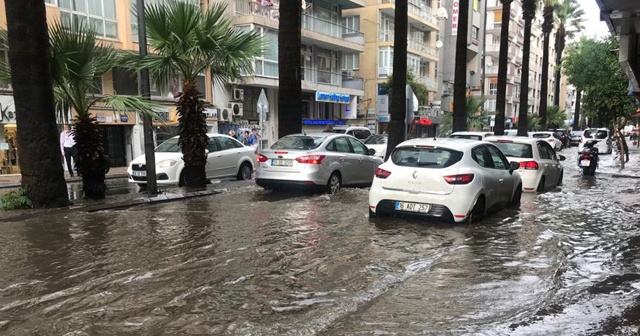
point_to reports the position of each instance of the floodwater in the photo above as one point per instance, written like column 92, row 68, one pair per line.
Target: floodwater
column 250, row 262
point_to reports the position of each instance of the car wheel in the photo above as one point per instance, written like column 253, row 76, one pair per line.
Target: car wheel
column 334, row 183
column 142, row 185
column 541, row 185
column 478, row 211
column 517, row 195
column 372, row 214
column 182, row 180
column 245, row 171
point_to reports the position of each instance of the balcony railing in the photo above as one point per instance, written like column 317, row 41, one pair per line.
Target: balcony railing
column 268, row 68
column 253, row 7
column 430, row 83
column 332, row 29
column 421, row 47
column 386, row 36
column 418, row 9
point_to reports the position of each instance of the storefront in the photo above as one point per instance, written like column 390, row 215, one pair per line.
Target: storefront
column 327, row 108
column 8, row 137
column 117, row 130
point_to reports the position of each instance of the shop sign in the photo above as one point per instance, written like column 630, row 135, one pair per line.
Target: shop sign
column 113, row 118
column 211, row 114
column 7, row 110
column 454, row 17
column 333, row 97
column 383, row 118
column 322, row 122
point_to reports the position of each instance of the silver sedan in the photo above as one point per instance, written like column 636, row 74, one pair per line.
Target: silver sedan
column 323, row 161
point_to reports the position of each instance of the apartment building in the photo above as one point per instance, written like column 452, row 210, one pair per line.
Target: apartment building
column 375, row 65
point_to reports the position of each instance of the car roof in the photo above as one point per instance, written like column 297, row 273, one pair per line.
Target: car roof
column 320, row 134
column 210, row 135
column 347, row 127
column 452, row 143
column 542, row 132
column 472, row 133
column 522, row 140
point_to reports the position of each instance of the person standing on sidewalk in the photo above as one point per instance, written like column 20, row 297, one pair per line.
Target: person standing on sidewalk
column 67, row 144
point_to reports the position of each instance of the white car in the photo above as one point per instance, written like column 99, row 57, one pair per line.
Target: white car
column 377, row 143
column 604, row 143
column 447, row 179
column 550, row 137
column 226, row 157
column 470, row 135
column 540, row 167
column 360, row 132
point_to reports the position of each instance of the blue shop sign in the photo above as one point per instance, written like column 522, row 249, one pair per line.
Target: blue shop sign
column 333, row 97
column 322, row 122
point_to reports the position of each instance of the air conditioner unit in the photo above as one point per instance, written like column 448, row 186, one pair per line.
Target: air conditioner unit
column 238, row 94
column 348, row 73
column 236, row 109
column 226, row 114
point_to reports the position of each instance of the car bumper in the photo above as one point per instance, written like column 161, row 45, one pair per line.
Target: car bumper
column 530, row 179
column 308, row 178
column 168, row 176
column 452, row 207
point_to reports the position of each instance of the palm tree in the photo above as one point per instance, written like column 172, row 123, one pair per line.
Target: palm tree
column 77, row 59
column 398, row 101
column 185, row 41
column 289, row 68
column 39, row 162
column 460, row 75
column 528, row 12
column 568, row 14
column 547, row 26
column 503, row 64
column 556, row 117
column 476, row 117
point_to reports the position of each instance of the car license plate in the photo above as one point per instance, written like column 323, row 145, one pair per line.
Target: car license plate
column 413, row 207
column 282, row 163
column 139, row 173
column 585, row 163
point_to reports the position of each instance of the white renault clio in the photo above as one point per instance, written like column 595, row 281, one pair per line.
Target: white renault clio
column 540, row 167
column 446, row 179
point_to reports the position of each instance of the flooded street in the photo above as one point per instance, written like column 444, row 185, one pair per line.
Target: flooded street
column 251, row 262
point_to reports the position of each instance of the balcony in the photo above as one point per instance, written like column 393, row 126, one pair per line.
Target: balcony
column 430, row 83
column 354, row 39
column 253, row 7
column 418, row 13
column 269, row 69
column 423, row 49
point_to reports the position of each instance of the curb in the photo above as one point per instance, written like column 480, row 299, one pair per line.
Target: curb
column 163, row 198
column 626, row 176
column 69, row 180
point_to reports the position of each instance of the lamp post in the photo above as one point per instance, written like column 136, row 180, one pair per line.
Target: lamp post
column 145, row 91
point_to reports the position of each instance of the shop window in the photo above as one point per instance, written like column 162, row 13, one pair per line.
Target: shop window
column 125, row 82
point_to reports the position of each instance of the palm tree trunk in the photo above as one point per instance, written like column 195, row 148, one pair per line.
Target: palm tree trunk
column 560, row 35
column 193, row 137
column 547, row 26
column 460, row 76
column 529, row 11
column 398, row 86
column 90, row 156
column 38, row 145
column 503, row 64
column 289, row 68
column 576, row 114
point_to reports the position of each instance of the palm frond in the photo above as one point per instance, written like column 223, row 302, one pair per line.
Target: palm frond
column 130, row 104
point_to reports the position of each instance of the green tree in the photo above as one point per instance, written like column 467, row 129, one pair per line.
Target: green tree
column 420, row 90
column 29, row 51
column 398, row 101
column 547, row 26
column 556, row 117
column 460, row 72
column 185, row 41
column 476, row 118
column 528, row 12
column 503, row 64
column 289, row 68
column 568, row 15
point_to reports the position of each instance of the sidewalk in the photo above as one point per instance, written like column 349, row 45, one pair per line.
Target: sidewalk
column 13, row 180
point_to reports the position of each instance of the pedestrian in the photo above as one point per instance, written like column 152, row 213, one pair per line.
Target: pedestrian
column 248, row 139
column 329, row 128
column 232, row 133
column 67, row 147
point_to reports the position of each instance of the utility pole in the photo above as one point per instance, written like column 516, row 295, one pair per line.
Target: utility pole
column 145, row 91
column 483, row 63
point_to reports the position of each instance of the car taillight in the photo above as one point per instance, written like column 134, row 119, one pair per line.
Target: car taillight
column 261, row 158
column 311, row 159
column 531, row 165
column 459, row 179
column 585, row 156
column 381, row 173
column 551, row 140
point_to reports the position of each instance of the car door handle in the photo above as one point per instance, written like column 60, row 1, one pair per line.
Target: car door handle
column 342, row 159
column 501, row 180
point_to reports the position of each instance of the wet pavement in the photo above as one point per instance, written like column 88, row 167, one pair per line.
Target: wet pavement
column 250, row 262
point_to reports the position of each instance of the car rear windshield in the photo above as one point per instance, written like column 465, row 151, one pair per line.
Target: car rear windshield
column 466, row 136
column 517, row 150
column 339, row 131
column 427, row 157
column 541, row 135
column 169, row 146
column 601, row 134
column 375, row 140
column 576, row 134
column 301, row 142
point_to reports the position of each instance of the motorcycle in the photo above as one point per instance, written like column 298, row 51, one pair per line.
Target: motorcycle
column 588, row 158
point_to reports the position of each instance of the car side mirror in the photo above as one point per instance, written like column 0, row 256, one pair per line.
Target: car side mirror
column 371, row 151
column 561, row 157
column 513, row 166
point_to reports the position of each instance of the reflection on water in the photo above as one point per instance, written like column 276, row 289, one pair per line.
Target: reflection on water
column 251, row 262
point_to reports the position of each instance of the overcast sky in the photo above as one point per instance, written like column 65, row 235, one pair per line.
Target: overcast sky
column 593, row 26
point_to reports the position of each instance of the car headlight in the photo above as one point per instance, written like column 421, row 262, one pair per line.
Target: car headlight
column 166, row 163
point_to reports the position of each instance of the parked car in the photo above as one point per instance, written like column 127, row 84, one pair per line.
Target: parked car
column 377, row 143
column 551, row 137
column 447, row 179
column 319, row 161
column 563, row 135
column 540, row 167
column 470, row 135
column 226, row 157
column 359, row 132
column 575, row 137
column 604, row 144
column 511, row 132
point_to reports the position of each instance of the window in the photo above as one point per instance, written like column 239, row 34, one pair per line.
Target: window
column 212, row 145
column 351, row 61
column 4, row 56
column 97, row 86
column 475, row 32
column 340, row 145
column 480, row 155
column 52, row 2
column 385, row 60
column 497, row 158
column 134, row 12
column 493, row 88
column 518, row 150
column 125, row 82
column 303, row 142
column 425, row 157
column 99, row 14
column 169, row 146
column 386, row 28
column 327, row 65
column 228, row 143
column 351, row 24
column 358, row 147
column 543, row 151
